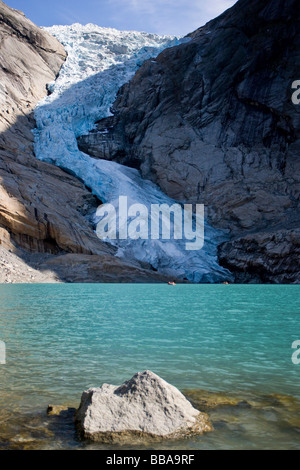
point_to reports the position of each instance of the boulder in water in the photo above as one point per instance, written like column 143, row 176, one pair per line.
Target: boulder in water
column 145, row 407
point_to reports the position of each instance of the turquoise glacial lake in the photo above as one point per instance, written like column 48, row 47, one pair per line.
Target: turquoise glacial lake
column 227, row 347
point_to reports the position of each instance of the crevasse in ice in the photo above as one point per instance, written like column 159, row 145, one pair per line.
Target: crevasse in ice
column 100, row 61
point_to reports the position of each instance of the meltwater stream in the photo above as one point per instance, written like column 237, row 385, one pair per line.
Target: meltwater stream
column 100, row 61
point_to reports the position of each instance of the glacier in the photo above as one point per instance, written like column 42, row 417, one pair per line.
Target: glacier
column 100, row 60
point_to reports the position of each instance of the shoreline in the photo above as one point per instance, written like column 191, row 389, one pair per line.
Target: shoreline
column 230, row 413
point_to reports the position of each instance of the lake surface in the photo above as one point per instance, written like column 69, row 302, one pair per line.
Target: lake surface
column 231, row 344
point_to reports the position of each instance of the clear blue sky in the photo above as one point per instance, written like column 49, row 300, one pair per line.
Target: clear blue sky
column 176, row 17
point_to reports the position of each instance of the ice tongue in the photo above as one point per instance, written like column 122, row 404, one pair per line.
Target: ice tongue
column 100, row 61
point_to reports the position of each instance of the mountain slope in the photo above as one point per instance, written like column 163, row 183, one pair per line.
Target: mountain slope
column 218, row 126
column 44, row 212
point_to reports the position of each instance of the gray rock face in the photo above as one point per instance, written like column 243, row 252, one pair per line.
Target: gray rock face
column 212, row 121
column 144, row 407
column 41, row 207
column 268, row 257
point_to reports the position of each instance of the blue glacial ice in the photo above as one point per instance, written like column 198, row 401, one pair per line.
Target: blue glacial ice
column 100, row 61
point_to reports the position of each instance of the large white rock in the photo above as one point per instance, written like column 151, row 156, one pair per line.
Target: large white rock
column 145, row 406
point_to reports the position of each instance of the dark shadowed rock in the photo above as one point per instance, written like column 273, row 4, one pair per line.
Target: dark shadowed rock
column 268, row 257
column 145, row 407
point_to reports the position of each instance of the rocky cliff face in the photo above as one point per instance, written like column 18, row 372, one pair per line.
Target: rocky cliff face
column 43, row 210
column 212, row 121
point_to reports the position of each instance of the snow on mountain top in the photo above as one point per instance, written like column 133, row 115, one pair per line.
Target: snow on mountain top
column 93, row 48
column 94, row 28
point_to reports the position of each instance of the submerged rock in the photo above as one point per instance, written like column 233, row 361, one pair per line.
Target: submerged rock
column 145, row 407
column 57, row 410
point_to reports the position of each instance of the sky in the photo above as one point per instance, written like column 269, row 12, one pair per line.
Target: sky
column 174, row 17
